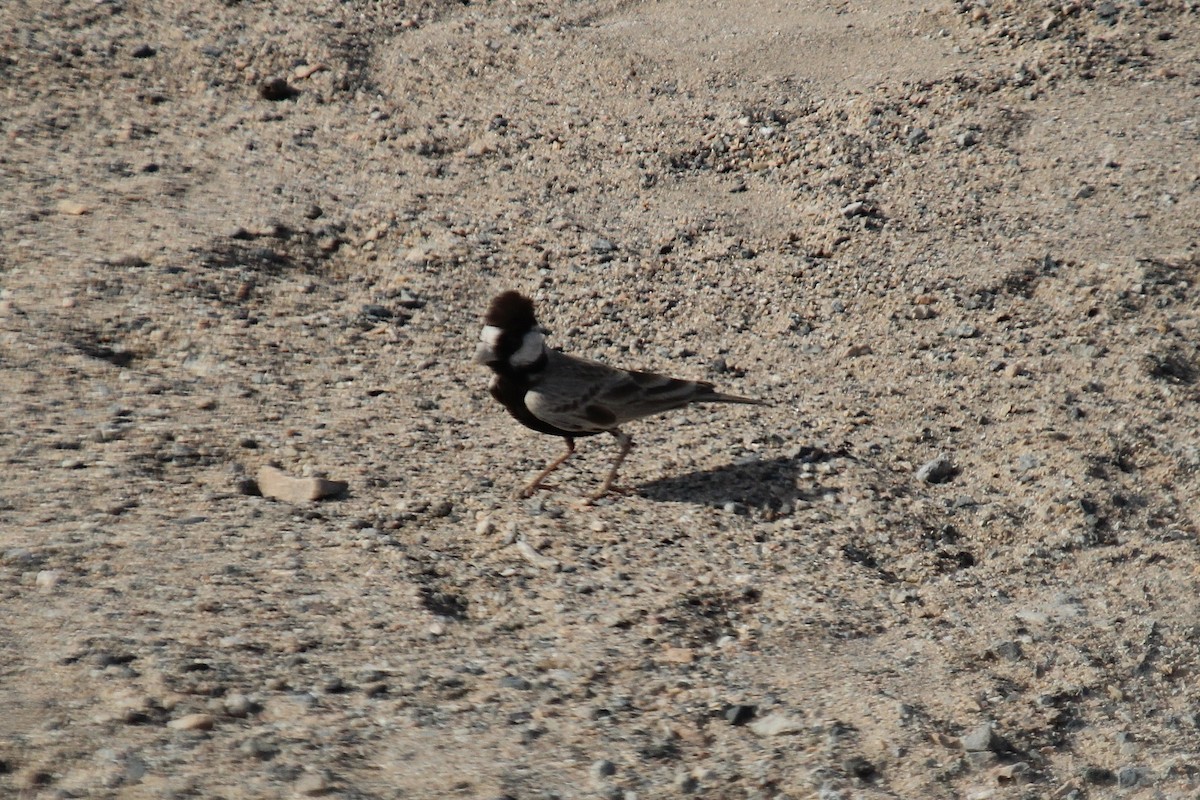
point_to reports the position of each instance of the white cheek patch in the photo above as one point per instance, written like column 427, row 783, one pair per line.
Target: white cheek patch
column 531, row 350
column 491, row 336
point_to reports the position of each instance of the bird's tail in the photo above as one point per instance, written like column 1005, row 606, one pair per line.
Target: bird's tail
column 713, row 396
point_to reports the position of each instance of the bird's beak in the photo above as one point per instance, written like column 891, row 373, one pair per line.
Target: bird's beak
column 484, row 354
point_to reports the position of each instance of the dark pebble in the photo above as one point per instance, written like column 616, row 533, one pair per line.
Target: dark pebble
column 277, row 89
column 740, row 714
column 1099, row 776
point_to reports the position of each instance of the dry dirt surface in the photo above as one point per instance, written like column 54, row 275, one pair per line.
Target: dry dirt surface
column 957, row 245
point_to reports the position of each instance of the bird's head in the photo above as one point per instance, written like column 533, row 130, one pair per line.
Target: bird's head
column 511, row 336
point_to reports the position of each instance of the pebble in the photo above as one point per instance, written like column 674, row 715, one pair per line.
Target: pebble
column 1129, row 777
column 686, row 783
column 534, row 557
column 47, row 579
column 1100, row 776
column 740, row 714
column 276, row 89
column 923, row 312
column 237, row 705
column 983, row 739
column 602, row 246
column 678, row 655
column 777, row 724
column 274, row 482
column 311, row 784
column 964, row 331
column 144, row 51
column 71, row 208
column 916, row 136
column 515, row 682
column 937, row 470
column 192, row 722
column 602, row 769
column 307, row 70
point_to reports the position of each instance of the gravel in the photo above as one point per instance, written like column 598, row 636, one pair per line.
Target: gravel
column 240, row 235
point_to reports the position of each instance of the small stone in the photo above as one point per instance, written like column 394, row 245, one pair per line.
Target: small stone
column 923, row 312
column 603, row 246
column 855, row 209
column 678, row 655
column 71, row 208
column 857, row 350
column 686, row 783
column 47, row 579
column 776, row 725
column 740, row 714
column 276, row 90
column 916, row 136
column 307, row 70
column 964, row 331
column 129, row 260
column 1100, row 776
column 1010, row 651
column 237, row 705
column 860, row 768
column 1016, row 773
column 1015, row 369
column 192, row 722
column 311, row 784
column 967, row 139
column 274, row 482
column 984, row 739
column 144, row 51
column 531, row 555
column 937, row 470
column 602, row 769
column 1129, row 777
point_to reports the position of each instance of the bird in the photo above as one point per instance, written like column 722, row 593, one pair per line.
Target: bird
column 564, row 395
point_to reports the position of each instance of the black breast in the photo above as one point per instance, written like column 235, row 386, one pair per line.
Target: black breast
column 509, row 389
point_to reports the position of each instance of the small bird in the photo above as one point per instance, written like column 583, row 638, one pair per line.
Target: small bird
column 562, row 395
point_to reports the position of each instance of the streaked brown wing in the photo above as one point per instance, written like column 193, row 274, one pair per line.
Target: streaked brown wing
column 580, row 395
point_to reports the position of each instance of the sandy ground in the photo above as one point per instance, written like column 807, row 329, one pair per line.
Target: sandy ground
column 957, row 245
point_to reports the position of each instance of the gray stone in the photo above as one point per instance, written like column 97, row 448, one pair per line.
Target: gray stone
column 984, row 738
column 936, row 470
column 776, row 725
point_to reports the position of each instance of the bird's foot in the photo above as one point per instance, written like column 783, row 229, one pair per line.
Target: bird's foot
column 606, row 491
column 526, row 492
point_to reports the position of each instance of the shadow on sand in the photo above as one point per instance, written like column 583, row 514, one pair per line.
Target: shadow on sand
column 756, row 484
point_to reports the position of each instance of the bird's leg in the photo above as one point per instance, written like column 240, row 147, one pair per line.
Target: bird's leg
column 625, row 441
column 536, row 483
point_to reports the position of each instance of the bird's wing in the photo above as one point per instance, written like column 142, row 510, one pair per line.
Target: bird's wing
column 579, row 395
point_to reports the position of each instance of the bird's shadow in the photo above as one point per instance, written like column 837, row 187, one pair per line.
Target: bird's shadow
column 756, row 484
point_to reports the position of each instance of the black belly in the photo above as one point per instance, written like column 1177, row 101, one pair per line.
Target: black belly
column 510, row 392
